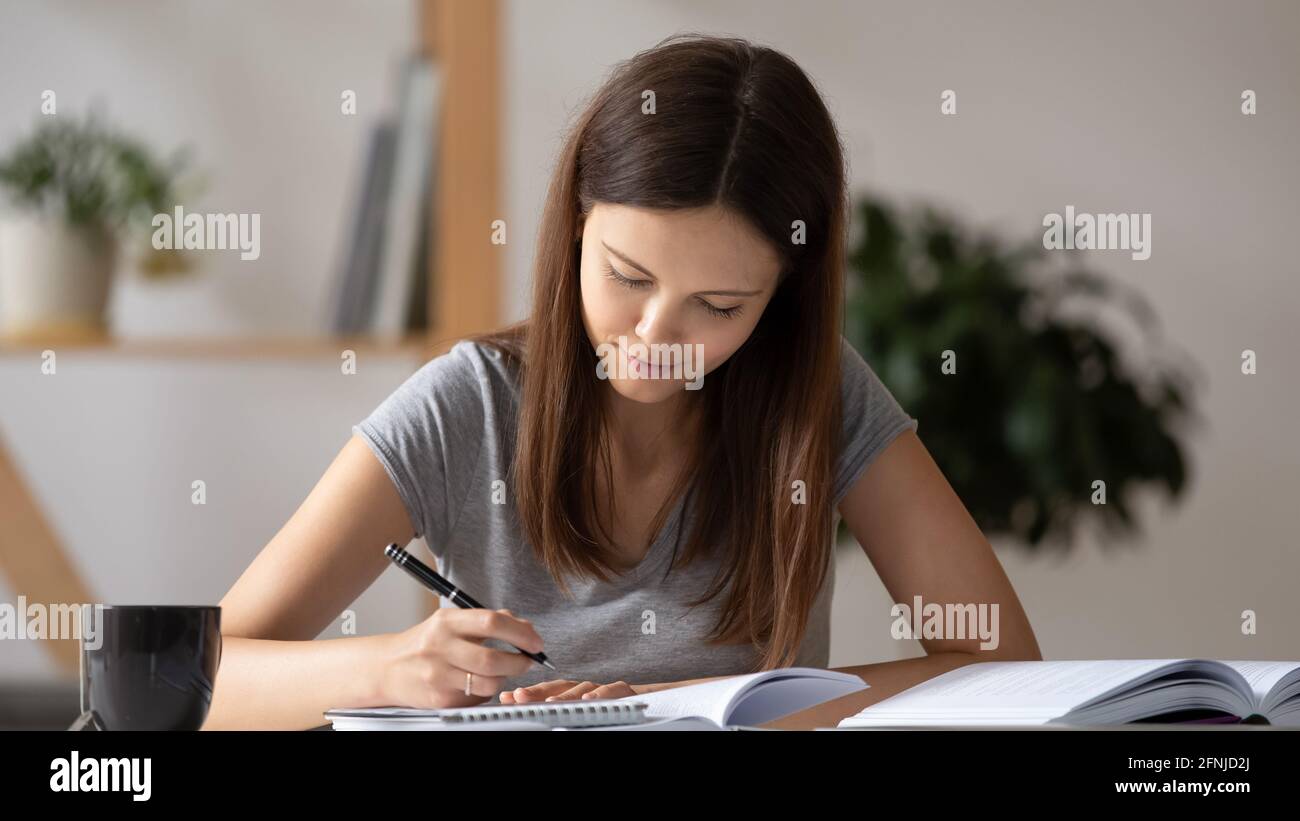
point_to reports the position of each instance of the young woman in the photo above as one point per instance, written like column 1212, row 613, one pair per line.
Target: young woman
column 645, row 527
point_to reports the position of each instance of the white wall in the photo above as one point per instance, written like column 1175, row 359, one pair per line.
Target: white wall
column 1108, row 107
column 111, row 446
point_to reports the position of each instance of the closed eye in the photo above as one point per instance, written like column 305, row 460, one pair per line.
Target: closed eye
column 627, row 282
column 622, row 280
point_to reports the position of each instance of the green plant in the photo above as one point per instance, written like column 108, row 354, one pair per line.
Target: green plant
column 1040, row 406
column 93, row 176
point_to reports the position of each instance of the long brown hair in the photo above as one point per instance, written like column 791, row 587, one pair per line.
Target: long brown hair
column 740, row 126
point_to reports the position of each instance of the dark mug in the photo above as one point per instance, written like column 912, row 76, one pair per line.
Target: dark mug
column 147, row 667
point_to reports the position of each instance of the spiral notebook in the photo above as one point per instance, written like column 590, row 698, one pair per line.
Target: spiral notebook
column 734, row 702
column 533, row 716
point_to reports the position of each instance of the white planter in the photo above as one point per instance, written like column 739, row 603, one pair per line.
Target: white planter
column 54, row 278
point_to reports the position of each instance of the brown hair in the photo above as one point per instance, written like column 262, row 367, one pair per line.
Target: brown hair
column 740, row 126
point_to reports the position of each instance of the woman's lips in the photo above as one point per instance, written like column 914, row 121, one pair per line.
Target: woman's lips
column 642, row 367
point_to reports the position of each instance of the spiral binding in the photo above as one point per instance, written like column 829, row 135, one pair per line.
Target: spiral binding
column 584, row 715
column 595, row 713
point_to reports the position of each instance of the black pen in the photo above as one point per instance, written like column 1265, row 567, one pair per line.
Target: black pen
column 427, row 577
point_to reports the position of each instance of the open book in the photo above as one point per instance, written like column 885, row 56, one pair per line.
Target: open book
column 1119, row 691
column 745, row 700
column 741, row 701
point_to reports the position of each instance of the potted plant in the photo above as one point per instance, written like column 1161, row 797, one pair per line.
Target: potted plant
column 1038, row 424
column 72, row 193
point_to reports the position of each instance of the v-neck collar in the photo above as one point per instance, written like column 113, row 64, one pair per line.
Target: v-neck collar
column 653, row 559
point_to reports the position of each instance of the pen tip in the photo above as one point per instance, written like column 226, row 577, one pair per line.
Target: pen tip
column 548, row 664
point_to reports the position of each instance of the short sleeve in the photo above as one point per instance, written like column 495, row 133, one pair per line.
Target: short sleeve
column 872, row 418
column 428, row 435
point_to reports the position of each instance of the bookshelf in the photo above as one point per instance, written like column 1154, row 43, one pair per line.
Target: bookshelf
column 465, row 269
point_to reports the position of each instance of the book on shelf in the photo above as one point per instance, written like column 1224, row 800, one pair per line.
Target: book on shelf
column 400, row 264
column 381, row 282
column 354, row 279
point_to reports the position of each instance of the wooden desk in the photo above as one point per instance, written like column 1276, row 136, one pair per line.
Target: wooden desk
column 886, row 678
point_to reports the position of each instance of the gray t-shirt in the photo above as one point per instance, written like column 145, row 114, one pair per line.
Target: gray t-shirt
column 447, row 434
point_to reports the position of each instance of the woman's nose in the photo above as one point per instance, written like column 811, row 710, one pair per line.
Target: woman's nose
column 656, row 321
column 649, row 322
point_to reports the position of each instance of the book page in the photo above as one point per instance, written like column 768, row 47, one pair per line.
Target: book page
column 1263, row 676
column 752, row 698
column 1036, row 689
column 709, row 699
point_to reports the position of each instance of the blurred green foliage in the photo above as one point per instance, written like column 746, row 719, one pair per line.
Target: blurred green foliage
column 88, row 174
column 1040, row 406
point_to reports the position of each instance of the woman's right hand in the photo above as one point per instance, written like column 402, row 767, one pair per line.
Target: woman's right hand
column 425, row 665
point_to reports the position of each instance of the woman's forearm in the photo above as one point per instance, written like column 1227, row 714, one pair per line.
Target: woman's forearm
column 287, row 685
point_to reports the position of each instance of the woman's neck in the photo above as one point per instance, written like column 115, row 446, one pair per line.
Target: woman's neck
column 646, row 438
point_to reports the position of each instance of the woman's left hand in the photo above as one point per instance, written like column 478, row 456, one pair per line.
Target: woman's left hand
column 566, row 690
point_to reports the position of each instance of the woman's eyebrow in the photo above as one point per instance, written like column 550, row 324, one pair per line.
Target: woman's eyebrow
column 643, row 270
